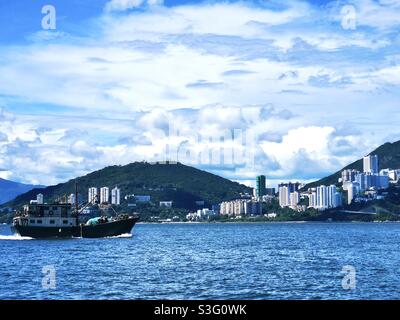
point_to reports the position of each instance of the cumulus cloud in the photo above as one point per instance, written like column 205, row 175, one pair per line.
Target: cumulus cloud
column 122, row 5
column 237, row 142
column 136, row 72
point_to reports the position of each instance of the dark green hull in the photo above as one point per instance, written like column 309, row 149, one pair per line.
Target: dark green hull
column 109, row 229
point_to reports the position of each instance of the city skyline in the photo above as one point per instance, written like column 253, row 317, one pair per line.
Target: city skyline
column 104, row 87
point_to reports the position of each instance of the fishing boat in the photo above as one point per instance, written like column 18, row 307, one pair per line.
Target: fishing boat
column 61, row 220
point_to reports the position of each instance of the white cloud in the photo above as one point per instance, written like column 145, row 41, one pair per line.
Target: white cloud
column 55, row 154
column 122, row 5
column 208, row 68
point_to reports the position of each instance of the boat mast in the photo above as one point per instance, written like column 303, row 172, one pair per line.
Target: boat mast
column 76, row 203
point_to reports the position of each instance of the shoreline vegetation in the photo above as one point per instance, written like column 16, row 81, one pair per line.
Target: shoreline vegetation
column 253, row 222
column 190, row 189
column 375, row 211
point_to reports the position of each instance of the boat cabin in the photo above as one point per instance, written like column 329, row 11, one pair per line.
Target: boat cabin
column 46, row 215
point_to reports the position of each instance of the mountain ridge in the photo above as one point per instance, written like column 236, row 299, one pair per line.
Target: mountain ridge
column 177, row 182
column 389, row 157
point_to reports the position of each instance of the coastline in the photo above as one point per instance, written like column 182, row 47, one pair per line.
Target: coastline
column 267, row 222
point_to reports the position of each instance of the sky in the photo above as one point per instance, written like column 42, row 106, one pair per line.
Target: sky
column 294, row 90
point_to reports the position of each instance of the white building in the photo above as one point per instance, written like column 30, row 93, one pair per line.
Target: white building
column 240, row 207
column 166, row 204
column 71, row 199
column 284, row 196
column 104, row 195
column 370, row 164
column 92, row 196
column 39, row 198
column 352, row 191
column 116, row 196
column 393, row 175
column 312, row 199
column 294, row 199
column 349, row 175
column 325, row 197
column 200, row 214
column 322, row 199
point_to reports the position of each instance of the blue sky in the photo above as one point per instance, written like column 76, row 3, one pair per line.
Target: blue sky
column 305, row 87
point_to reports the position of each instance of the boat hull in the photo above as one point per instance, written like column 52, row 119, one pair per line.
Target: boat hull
column 44, row 232
column 109, row 229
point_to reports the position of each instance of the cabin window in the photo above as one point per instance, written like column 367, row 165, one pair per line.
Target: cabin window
column 32, row 221
column 39, row 221
column 65, row 221
column 55, row 208
column 52, row 222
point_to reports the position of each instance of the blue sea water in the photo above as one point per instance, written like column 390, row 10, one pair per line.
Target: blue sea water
column 209, row 261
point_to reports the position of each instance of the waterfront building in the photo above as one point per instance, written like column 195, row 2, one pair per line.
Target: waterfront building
column 294, row 198
column 370, row 164
column 260, row 186
column 338, row 199
column 382, row 182
column 352, row 191
column 284, row 196
column 240, row 207
column 116, row 196
column 252, row 208
column 331, row 193
column 393, row 175
column 349, row 175
column 201, row 214
column 367, row 181
column 322, row 198
column 71, row 199
column 92, row 195
column 166, row 204
column 39, row 198
column 312, row 202
column 325, row 197
column 104, row 195
column 291, row 186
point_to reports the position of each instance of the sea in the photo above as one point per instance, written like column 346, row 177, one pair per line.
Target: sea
column 208, row 261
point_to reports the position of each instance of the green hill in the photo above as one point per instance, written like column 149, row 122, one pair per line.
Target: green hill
column 163, row 182
column 389, row 157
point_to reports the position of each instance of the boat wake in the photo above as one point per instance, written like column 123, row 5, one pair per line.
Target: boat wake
column 14, row 237
column 125, row 235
